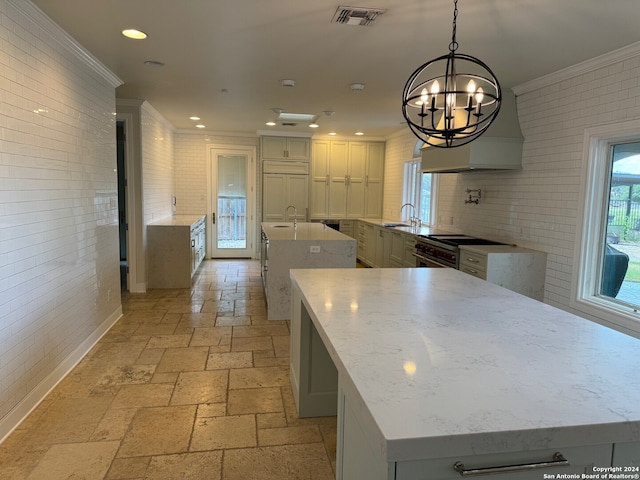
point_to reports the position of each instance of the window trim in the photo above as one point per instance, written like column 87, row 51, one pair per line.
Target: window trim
column 596, row 166
column 416, row 180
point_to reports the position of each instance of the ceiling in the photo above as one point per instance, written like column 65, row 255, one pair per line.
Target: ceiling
column 225, row 59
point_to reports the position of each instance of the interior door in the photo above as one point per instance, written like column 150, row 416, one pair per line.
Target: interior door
column 232, row 205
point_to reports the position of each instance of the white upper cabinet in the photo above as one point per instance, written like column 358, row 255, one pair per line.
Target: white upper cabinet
column 346, row 179
column 290, row 148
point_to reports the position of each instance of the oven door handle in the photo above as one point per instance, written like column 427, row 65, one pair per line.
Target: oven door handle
column 426, row 259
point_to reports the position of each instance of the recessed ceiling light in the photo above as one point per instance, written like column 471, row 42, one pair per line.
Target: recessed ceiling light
column 287, row 83
column 332, row 133
column 133, row 33
column 313, row 125
column 194, row 118
column 200, row 126
column 271, row 124
column 357, row 87
column 359, row 133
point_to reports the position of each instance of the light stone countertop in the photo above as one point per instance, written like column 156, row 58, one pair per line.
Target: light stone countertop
column 304, row 231
column 177, row 221
column 445, row 362
column 415, row 230
column 484, row 249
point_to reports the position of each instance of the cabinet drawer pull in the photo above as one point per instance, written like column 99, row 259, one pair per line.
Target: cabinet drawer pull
column 558, row 461
column 471, row 270
column 472, row 260
column 193, row 243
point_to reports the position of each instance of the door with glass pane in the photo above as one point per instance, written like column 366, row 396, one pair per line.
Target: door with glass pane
column 231, row 210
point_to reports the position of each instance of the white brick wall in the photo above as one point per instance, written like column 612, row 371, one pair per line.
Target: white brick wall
column 157, row 164
column 59, row 268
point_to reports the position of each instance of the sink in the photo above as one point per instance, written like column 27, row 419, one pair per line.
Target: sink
column 396, row 224
column 280, row 226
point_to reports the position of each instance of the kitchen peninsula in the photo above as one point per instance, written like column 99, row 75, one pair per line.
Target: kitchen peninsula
column 434, row 373
column 300, row 245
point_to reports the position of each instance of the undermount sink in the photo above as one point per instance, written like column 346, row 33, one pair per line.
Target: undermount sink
column 280, row 226
column 395, row 224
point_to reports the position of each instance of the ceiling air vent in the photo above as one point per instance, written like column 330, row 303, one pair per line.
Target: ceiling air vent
column 357, row 15
column 288, row 124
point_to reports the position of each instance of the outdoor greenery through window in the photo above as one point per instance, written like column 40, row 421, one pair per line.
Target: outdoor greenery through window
column 417, row 190
column 621, row 259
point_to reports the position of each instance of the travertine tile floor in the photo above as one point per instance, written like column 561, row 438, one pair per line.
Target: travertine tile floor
column 189, row 384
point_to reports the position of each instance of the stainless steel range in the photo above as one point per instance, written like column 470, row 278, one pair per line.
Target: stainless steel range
column 438, row 251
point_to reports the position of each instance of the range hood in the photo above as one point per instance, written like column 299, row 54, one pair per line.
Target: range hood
column 499, row 148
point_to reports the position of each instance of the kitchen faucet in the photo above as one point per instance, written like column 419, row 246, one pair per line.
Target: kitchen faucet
column 295, row 215
column 413, row 220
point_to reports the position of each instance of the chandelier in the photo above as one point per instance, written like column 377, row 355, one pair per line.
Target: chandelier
column 453, row 108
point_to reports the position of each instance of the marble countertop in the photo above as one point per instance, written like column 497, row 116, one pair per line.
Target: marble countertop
column 446, row 363
column 484, row 249
column 304, row 231
column 177, row 221
column 415, row 230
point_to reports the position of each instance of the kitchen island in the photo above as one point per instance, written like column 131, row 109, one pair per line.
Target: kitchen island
column 301, row 245
column 176, row 247
column 429, row 369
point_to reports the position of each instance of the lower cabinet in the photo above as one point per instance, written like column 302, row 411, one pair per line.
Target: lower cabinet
column 198, row 244
column 627, row 457
column 511, row 466
column 358, row 455
column 385, row 247
column 384, row 238
column 515, row 268
column 348, row 227
column 369, row 257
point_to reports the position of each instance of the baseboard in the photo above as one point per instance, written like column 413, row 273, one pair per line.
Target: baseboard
column 12, row 420
column 138, row 288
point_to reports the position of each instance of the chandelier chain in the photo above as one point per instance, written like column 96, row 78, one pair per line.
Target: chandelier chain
column 453, row 46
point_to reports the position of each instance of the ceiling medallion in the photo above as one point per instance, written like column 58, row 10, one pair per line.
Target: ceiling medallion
column 454, row 107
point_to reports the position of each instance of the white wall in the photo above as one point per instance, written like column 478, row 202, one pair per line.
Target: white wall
column 59, row 263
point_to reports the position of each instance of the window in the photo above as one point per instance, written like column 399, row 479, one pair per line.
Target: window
column 418, row 189
column 608, row 253
column 621, row 260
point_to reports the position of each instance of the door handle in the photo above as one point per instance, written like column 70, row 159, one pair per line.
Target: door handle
column 213, row 218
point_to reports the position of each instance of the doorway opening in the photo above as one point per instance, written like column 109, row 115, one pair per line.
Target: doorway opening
column 232, row 202
column 122, row 205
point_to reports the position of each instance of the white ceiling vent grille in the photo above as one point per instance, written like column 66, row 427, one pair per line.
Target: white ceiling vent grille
column 357, row 15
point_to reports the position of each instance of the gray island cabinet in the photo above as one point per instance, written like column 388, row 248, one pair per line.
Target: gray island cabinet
column 435, row 374
column 303, row 245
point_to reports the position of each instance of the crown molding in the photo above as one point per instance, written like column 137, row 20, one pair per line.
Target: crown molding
column 587, row 66
column 33, row 13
